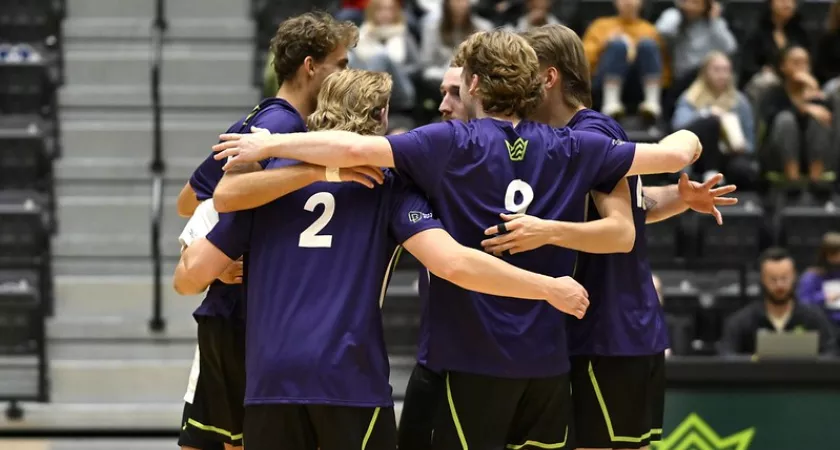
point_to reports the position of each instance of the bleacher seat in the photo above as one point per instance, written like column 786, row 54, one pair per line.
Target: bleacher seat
column 735, row 243
column 802, row 229
column 25, row 237
column 22, row 337
column 36, row 22
column 665, row 242
column 27, row 149
column 29, row 86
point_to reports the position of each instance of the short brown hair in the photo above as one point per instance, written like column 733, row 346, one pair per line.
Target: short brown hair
column 352, row 100
column 314, row 34
column 560, row 47
column 508, row 72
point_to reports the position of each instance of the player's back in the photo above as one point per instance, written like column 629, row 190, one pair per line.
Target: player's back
column 472, row 173
column 320, row 260
column 624, row 317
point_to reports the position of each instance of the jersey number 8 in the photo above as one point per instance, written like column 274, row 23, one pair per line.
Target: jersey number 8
column 526, row 196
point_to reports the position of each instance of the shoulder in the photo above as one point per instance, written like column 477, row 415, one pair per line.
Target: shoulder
column 278, row 118
column 811, row 274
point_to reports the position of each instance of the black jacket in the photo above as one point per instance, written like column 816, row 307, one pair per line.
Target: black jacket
column 760, row 48
column 739, row 332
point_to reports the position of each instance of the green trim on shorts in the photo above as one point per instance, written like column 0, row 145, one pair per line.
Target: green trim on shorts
column 541, row 444
column 606, row 413
column 454, row 414
column 212, row 429
column 370, row 427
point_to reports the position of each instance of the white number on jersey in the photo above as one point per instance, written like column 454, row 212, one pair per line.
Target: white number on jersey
column 522, row 188
column 310, row 237
column 640, row 197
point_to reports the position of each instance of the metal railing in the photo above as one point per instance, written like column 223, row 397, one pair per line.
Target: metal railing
column 157, row 166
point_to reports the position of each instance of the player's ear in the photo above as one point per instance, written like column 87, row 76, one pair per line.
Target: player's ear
column 473, row 84
column 309, row 66
column 552, row 77
column 384, row 118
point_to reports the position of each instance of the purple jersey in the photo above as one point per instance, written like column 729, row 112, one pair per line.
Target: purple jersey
column 624, row 317
column 319, row 263
column 276, row 115
column 472, row 172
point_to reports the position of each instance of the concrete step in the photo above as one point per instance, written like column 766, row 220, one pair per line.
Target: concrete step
column 78, row 350
column 104, row 266
column 114, row 134
column 120, row 328
column 80, row 246
column 130, row 64
column 88, row 444
column 122, row 169
column 205, row 29
column 117, row 296
column 133, row 98
column 106, row 216
column 145, row 8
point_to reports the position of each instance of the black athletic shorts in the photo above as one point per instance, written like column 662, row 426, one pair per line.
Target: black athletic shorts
column 215, row 397
column 189, row 437
column 424, row 396
column 494, row 413
column 324, row 427
column 619, row 401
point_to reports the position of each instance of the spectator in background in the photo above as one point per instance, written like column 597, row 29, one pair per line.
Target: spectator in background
column 537, row 14
column 692, row 30
column 798, row 121
column 820, row 285
column 723, row 120
column 443, row 33
column 385, row 45
column 827, row 67
column 778, row 312
column 779, row 27
column 500, row 12
column 625, row 54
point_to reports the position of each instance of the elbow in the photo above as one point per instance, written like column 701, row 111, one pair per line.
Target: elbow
column 626, row 239
column 223, row 201
column 184, row 210
column 451, row 269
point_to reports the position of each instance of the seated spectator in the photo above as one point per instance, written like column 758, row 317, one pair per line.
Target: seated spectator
column 798, row 121
column 537, row 14
column 780, row 27
column 820, row 285
column 723, row 120
column 442, row 33
column 827, row 66
column 624, row 55
column 500, row 12
column 692, row 30
column 779, row 311
column 385, row 45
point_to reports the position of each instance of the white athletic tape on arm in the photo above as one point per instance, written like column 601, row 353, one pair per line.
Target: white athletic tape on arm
column 333, row 174
column 202, row 221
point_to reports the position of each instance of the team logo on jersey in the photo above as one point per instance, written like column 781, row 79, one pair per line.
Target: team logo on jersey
column 618, row 142
column 695, row 433
column 416, row 216
column 516, row 151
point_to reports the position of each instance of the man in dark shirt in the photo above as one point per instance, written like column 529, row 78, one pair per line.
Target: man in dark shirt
column 779, row 311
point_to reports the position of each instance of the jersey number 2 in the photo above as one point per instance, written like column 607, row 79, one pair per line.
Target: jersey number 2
column 310, row 237
column 526, row 194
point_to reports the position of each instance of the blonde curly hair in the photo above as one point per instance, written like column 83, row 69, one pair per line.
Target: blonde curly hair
column 508, row 71
column 352, row 100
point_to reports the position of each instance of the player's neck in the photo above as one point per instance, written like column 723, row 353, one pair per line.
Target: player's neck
column 777, row 310
column 560, row 115
column 480, row 114
column 297, row 98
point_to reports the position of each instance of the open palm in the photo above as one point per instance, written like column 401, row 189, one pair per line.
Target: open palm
column 705, row 197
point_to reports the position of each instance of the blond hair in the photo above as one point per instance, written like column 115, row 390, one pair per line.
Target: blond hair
column 700, row 94
column 559, row 47
column 508, row 72
column 370, row 10
column 352, row 100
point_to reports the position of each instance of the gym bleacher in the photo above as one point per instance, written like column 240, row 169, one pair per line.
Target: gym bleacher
column 86, row 361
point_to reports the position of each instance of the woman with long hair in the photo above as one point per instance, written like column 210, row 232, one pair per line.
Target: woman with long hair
column 442, row 33
column 820, row 284
column 722, row 117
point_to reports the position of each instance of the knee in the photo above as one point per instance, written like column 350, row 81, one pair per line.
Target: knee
column 616, row 45
column 785, row 121
column 647, row 45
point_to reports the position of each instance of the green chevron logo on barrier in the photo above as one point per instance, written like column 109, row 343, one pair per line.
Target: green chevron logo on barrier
column 695, row 434
column 517, row 150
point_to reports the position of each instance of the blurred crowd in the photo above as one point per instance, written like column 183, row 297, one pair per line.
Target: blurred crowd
column 764, row 107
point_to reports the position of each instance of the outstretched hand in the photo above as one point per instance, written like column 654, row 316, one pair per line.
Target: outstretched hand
column 704, row 197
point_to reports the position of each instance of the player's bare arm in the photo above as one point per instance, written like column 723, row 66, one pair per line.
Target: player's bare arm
column 477, row 271
column 613, row 233
column 200, row 264
column 663, row 202
column 254, row 189
column 323, row 148
column 670, row 155
column 187, row 201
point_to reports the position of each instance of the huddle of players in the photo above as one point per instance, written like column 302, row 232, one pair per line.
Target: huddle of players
column 497, row 363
